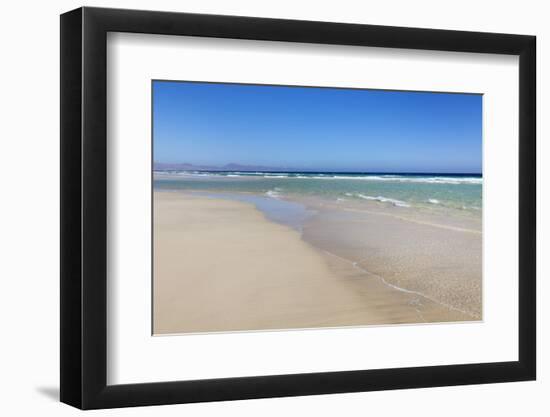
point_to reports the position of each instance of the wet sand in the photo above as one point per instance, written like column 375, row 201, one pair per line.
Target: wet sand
column 422, row 254
column 221, row 265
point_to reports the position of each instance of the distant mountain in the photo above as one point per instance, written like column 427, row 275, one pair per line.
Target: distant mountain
column 163, row 166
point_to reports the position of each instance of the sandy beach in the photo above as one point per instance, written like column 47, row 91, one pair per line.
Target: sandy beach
column 221, row 265
column 292, row 207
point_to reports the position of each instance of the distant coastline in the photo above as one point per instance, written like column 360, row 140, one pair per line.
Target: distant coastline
column 234, row 167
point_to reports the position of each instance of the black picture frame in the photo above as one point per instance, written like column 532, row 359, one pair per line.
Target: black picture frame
column 84, row 208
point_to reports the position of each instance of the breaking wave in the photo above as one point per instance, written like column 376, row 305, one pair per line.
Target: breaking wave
column 433, row 179
column 381, row 199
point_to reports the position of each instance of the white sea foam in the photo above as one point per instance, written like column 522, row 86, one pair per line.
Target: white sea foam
column 366, row 177
column 397, row 203
column 414, row 179
column 433, row 201
column 273, row 193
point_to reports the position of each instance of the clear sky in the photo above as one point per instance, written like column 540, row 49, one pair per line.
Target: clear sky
column 316, row 128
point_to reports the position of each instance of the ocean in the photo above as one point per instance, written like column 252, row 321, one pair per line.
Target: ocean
column 428, row 191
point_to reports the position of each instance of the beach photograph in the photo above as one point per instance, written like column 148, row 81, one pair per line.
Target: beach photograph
column 302, row 207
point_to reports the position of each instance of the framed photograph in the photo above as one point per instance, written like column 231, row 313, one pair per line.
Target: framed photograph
column 259, row 208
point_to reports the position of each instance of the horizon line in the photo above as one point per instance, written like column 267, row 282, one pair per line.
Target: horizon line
column 308, row 171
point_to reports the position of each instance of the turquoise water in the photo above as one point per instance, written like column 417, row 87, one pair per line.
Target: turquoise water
column 457, row 191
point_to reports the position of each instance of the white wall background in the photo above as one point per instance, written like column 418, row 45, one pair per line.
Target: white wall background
column 29, row 226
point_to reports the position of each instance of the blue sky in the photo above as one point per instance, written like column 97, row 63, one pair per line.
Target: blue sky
column 316, row 128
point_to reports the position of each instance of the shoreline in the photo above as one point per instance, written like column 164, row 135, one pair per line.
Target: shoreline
column 329, row 290
column 315, row 206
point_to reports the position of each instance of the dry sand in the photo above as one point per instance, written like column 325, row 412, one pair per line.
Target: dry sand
column 220, row 265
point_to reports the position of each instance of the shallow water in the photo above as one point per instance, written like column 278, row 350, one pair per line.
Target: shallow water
column 284, row 212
